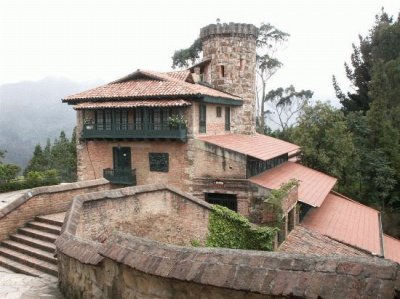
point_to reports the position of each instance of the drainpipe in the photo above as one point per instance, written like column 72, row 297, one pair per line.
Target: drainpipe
column 381, row 235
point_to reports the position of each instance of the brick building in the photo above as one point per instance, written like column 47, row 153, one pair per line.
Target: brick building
column 195, row 129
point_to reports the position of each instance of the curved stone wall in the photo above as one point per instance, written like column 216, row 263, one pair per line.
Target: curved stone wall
column 126, row 266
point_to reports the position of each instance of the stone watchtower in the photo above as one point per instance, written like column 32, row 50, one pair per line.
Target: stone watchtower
column 231, row 50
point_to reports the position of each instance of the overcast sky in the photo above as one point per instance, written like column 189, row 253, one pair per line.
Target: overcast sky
column 89, row 40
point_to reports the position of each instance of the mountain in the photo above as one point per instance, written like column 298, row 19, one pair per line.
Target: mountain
column 31, row 112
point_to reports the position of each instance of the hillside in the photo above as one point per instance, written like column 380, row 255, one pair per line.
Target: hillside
column 31, row 112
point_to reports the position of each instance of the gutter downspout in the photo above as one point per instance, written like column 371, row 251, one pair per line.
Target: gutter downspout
column 381, row 235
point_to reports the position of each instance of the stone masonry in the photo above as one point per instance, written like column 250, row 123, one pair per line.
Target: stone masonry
column 232, row 50
column 127, row 266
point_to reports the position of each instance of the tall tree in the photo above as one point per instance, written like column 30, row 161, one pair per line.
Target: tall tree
column 59, row 157
column 283, row 105
column 63, row 158
column 370, row 48
column 268, row 41
column 183, row 58
column 7, row 171
column 326, row 142
column 38, row 161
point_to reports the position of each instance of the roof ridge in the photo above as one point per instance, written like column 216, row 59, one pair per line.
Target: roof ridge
column 391, row 237
column 350, row 199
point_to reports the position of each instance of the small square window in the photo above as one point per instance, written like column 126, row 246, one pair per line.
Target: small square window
column 159, row 162
column 219, row 111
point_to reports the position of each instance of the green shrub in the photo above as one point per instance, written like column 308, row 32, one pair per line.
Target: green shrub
column 228, row 229
column 33, row 179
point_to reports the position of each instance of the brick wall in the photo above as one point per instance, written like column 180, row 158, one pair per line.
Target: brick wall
column 156, row 214
column 42, row 201
column 94, row 156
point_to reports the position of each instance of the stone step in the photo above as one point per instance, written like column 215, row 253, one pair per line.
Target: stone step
column 32, row 232
column 29, row 261
column 45, row 227
column 36, row 243
column 18, row 267
column 54, row 219
column 31, row 251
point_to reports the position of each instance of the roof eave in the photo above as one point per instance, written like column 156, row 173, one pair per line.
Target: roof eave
column 220, row 100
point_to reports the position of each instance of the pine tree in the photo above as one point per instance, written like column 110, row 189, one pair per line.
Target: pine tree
column 38, row 161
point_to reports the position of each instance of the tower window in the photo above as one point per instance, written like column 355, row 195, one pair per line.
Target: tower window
column 227, row 118
column 222, row 71
column 202, row 118
column 219, row 111
column 242, row 64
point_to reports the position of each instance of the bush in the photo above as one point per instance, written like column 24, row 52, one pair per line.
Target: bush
column 33, row 179
column 228, row 229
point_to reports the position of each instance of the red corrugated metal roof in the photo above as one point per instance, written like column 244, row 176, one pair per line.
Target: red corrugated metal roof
column 391, row 248
column 314, row 185
column 347, row 221
column 258, row 146
column 132, row 104
column 143, row 84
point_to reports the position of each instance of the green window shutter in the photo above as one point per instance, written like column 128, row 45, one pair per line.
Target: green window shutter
column 202, row 118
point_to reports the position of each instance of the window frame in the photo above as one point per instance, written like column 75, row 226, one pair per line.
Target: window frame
column 159, row 162
column 202, row 118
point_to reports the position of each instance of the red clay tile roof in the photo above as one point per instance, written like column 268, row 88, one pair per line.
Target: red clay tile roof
column 131, row 104
column 314, row 185
column 258, row 146
column 144, row 84
column 179, row 75
column 391, row 248
column 306, row 241
column 347, row 221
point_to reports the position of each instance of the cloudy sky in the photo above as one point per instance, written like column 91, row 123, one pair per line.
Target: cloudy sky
column 86, row 40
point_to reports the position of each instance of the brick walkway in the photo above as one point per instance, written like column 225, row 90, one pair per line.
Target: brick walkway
column 19, row 286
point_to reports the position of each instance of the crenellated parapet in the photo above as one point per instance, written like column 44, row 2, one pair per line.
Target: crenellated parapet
column 231, row 29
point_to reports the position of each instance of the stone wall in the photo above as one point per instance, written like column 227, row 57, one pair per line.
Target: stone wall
column 145, row 211
column 232, row 50
column 43, row 200
column 214, row 161
column 130, row 267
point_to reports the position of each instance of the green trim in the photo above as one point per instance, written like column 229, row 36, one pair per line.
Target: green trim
column 222, row 101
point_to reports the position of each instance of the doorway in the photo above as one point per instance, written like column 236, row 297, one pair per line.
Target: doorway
column 226, row 200
column 122, row 160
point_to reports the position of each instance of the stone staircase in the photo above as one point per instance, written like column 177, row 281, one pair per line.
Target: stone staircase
column 31, row 249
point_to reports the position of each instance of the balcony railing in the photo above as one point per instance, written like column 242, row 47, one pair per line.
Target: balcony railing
column 120, row 176
column 139, row 130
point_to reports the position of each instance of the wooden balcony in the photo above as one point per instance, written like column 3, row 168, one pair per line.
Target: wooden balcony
column 142, row 130
column 120, row 176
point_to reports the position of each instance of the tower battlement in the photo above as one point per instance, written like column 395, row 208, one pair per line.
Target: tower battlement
column 231, row 29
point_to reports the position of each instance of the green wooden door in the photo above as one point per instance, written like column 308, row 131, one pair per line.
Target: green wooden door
column 122, row 159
